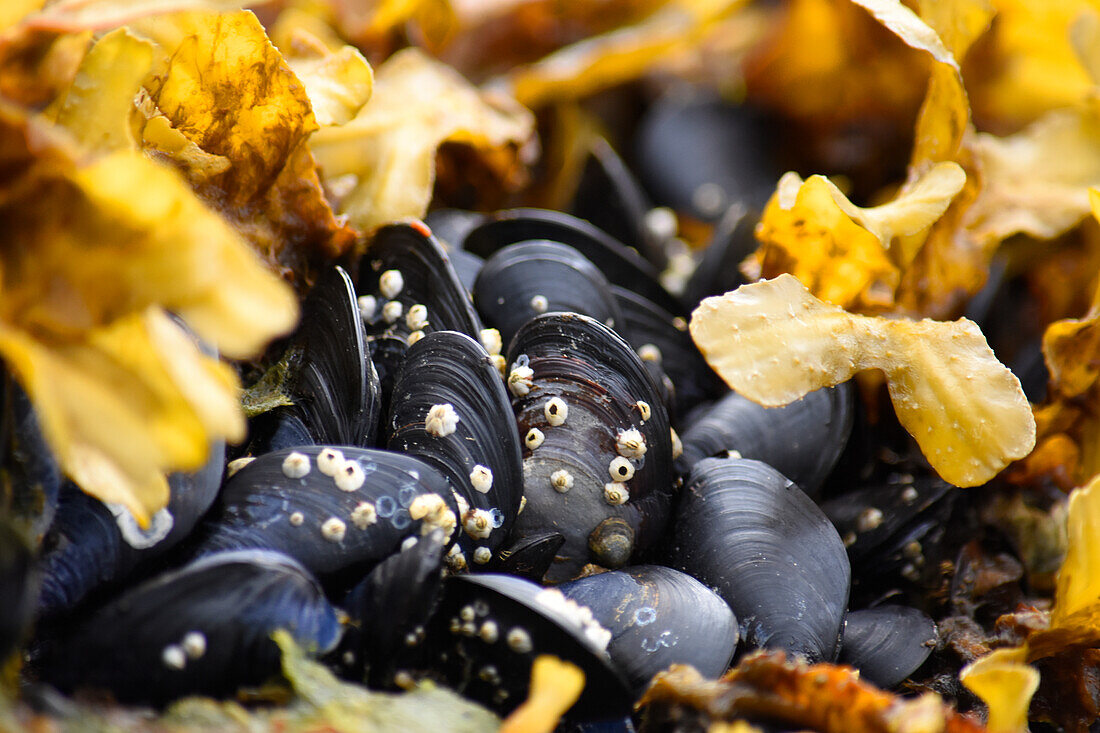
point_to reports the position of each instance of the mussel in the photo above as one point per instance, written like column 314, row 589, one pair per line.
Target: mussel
column 597, row 461
column 489, row 628
column 450, row 409
column 802, row 440
column 203, row 629
column 745, row 529
column 658, row 616
column 887, row 643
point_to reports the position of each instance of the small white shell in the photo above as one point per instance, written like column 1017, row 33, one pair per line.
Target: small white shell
column 368, row 305
column 519, row 641
column 561, row 480
column 631, row 443
column 334, row 529
column 296, row 519
column 350, row 477
column 556, row 411
column 442, row 420
column 364, row 515
column 482, row 555
column 539, row 303
column 478, row 523
column 521, row 379
column 491, row 340
column 417, row 317
column 173, row 657
column 643, row 409
column 391, row 283
column 296, row 465
column 481, row 478
column 534, row 438
column 194, row 644
column 329, row 461
column 615, row 493
column 392, row 311
column 237, row 464
column 620, row 469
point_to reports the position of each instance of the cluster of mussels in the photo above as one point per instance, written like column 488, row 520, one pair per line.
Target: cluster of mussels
column 417, row 502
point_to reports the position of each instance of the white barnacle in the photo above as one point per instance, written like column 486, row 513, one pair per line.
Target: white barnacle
column 350, row 477
column 442, row 420
column 296, row 465
column 631, row 443
column 296, row 519
column 539, row 303
column 237, row 464
column 649, row 352
column 500, row 363
column 519, row 641
column 173, row 657
column 561, row 480
column 556, row 411
column 329, row 461
column 491, row 340
column 455, row 559
column 368, row 304
column 482, row 555
column 391, row 283
column 615, row 493
column 417, row 317
column 870, row 518
column 678, row 446
column 620, row 469
column 534, row 438
column 414, row 337
column 489, row 633
column 481, row 478
column 478, row 523
column 643, row 409
column 522, row 377
column 392, row 311
column 408, row 543
column 364, row 515
column 334, row 529
column 194, row 644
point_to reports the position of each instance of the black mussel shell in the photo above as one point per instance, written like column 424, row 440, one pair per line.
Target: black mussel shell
column 700, row 154
column 889, row 528
column 450, row 409
column 529, row 556
column 407, row 265
column 746, row 530
column 351, row 508
column 887, row 643
column 719, row 270
column 597, row 461
column 33, row 478
column 450, row 226
column 490, row 628
column 526, row 279
column 203, row 629
column 92, row 544
column 802, row 440
column 390, row 610
column 327, row 374
column 646, row 325
column 619, row 264
column 609, row 196
column 18, row 587
column 658, row 616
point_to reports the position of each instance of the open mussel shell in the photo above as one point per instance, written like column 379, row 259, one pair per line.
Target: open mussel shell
column 390, row 610
column 406, row 264
column 92, row 544
column 662, row 337
column 746, row 530
column 658, row 616
column 327, row 374
column 802, row 440
column 529, row 556
column 597, row 462
column 887, row 643
column 618, row 263
column 203, row 629
column 489, row 628
column 338, row 510
column 526, row 279
column 450, row 409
